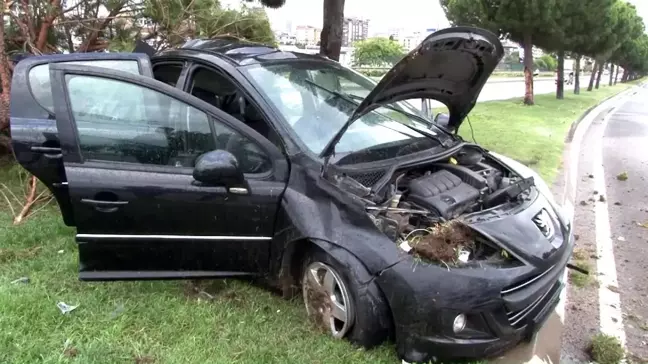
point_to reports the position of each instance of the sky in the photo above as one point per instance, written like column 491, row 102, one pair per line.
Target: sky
column 407, row 14
column 383, row 14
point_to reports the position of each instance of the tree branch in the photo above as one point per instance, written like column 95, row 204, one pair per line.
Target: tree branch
column 47, row 24
column 89, row 43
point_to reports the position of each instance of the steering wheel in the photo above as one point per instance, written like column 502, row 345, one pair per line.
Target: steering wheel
column 237, row 146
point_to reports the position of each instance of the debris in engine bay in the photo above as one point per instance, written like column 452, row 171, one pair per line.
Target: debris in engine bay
column 450, row 243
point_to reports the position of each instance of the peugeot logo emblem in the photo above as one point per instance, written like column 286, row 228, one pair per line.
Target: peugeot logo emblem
column 543, row 222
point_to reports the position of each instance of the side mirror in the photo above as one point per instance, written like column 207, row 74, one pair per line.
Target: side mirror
column 442, row 120
column 220, row 168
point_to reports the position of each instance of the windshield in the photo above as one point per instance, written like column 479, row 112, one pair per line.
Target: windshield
column 316, row 99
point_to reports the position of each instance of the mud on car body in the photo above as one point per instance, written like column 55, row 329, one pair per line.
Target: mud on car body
column 231, row 159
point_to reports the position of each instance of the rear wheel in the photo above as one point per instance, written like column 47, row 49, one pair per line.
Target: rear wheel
column 340, row 304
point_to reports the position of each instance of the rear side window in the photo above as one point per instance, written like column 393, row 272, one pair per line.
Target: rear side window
column 39, row 81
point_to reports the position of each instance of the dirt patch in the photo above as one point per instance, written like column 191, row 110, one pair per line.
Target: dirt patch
column 71, row 352
column 144, row 359
column 442, row 243
column 319, row 306
column 10, row 255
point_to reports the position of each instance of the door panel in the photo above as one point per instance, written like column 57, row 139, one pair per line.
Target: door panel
column 129, row 160
column 33, row 128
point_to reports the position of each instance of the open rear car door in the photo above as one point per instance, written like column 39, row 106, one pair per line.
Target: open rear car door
column 34, row 134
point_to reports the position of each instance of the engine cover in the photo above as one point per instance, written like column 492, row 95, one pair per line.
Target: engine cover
column 444, row 192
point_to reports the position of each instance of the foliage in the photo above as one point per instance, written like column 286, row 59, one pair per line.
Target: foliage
column 606, row 349
column 520, row 20
column 377, row 52
column 549, row 61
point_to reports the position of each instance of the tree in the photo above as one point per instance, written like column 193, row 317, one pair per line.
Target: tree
column 520, row 20
column 622, row 20
column 575, row 26
column 377, row 52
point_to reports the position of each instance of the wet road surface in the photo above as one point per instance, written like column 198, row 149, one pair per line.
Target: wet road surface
column 612, row 233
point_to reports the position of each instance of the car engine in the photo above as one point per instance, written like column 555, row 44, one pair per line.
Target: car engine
column 428, row 203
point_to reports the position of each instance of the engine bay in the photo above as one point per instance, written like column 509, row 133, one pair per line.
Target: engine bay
column 422, row 208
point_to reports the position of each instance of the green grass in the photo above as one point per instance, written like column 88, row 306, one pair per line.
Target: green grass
column 606, row 349
column 533, row 135
column 166, row 322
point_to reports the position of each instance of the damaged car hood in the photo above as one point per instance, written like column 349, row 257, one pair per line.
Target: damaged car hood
column 450, row 66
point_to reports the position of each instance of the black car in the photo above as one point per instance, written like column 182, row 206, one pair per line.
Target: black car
column 231, row 159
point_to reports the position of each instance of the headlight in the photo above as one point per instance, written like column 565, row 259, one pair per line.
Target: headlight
column 540, row 184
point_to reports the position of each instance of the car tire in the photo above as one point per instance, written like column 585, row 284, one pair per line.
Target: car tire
column 368, row 316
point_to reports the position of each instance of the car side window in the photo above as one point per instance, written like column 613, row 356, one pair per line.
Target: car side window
column 168, row 73
column 123, row 122
column 39, row 77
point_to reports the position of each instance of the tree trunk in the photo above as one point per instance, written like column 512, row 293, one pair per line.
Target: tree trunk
column 90, row 43
column 616, row 76
column 600, row 72
column 331, row 36
column 5, row 82
column 528, row 70
column 611, row 74
column 577, row 75
column 560, row 84
column 624, row 79
column 593, row 76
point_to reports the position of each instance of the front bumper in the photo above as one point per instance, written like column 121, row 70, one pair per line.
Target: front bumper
column 515, row 315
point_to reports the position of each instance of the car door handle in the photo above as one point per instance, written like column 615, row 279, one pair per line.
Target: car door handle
column 49, row 152
column 104, row 206
column 89, row 201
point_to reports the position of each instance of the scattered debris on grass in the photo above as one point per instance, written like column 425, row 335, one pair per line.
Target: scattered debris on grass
column 595, row 192
column 449, row 243
column 606, row 349
column 591, row 176
column 621, row 238
column 71, row 352
column 9, row 255
column 602, row 198
column 207, row 290
column 622, row 176
column 24, row 280
column 583, row 203
column 618, row 203
column 65, row 308
column 22, row 207
column 643, row 225
column 144, row 359
column 641, row 323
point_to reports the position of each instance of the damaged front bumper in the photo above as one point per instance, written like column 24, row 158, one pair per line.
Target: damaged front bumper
column 501, row 310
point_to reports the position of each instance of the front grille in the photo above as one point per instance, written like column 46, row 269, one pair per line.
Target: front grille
column 519, row 285
column 517, row 318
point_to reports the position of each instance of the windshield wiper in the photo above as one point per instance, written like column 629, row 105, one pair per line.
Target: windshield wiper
column 352, row 99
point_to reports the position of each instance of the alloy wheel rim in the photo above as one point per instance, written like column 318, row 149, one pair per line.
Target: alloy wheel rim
column 327, row 299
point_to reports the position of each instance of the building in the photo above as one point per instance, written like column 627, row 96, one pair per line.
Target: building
column 353, row 30
column 308, row 35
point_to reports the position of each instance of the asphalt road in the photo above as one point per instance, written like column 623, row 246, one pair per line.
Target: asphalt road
column 609, row 233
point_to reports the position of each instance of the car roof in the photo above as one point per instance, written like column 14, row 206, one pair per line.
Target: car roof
column 241, row 53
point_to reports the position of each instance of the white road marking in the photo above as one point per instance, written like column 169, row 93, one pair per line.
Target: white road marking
column 610, row 314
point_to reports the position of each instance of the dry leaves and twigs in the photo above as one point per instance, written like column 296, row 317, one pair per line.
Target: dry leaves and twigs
column 22, row 207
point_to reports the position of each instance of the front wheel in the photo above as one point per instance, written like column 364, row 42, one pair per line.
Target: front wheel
column 340, row 304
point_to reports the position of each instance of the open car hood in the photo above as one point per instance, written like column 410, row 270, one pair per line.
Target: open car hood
column 450, row 66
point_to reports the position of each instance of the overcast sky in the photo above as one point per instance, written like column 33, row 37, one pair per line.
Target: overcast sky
column 407, row 14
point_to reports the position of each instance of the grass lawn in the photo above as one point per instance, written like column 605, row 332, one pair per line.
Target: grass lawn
column 532, row 135
column 168, row 322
